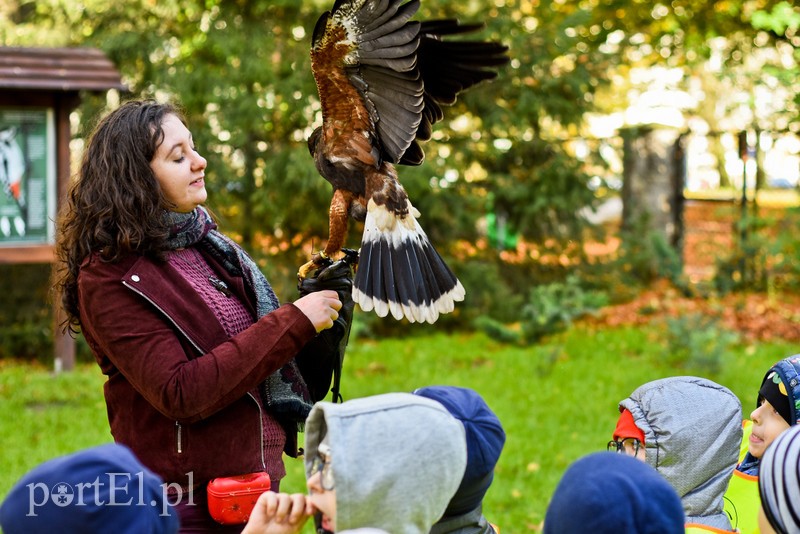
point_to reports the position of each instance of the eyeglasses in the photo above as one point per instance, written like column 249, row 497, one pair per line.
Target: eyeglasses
column 629, row 446
column 322, row 464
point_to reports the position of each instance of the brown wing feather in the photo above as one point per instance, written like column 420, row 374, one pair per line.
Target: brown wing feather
column 403, row 71
column 363, row 60
column 343, row 108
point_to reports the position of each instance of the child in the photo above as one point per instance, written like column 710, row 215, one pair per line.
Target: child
column 689, row 429
column 101, row 489
column 627, row 438
column 605, row 493
column 389, row 462
column 779, row 485
column 776, row 410
column 485, row 439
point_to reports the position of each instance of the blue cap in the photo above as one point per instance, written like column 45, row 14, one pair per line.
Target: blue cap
column 485, row 440
column 101, row 489
column 611, row 493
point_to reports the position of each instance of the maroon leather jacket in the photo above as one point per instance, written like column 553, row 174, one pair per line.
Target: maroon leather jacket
column 180, row 393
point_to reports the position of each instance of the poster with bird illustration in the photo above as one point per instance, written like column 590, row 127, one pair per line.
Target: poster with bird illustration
column 27, row 176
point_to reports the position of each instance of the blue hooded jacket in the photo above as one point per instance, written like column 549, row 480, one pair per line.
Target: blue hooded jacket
column 610, row 493
column 97, row 490
column 485, row 440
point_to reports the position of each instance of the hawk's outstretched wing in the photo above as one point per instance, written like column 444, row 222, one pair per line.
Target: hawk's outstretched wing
column 382, row 82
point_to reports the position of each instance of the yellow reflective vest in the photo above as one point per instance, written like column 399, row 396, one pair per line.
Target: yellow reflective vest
column 742, row 500
column 696, row 527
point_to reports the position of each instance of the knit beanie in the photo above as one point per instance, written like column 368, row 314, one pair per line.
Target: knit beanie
column 779, row 482
column 781, row 388
column 774, row 391
column 609, row 493
column 626, row 428
column 97, row 490
column 485, row 440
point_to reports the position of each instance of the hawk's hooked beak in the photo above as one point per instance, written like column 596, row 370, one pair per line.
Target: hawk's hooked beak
column 319, row 29
column 313, row 139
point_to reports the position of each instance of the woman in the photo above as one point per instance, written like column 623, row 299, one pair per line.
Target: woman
column 203, row 364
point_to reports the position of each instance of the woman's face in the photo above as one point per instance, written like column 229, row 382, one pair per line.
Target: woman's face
column 178, row 168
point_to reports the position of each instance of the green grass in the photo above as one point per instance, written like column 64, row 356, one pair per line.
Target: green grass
column 557, row 401
column 44, row 415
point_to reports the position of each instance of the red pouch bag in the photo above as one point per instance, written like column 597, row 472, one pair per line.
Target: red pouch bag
column 231, row 499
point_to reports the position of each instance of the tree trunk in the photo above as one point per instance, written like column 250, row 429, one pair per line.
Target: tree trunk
column 718, row 151
column 654, row 172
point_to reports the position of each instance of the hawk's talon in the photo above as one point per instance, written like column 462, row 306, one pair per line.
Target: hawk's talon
column 306, row 269
column 318, row 261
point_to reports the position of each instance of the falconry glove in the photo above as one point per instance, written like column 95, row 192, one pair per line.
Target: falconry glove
column 331, row 343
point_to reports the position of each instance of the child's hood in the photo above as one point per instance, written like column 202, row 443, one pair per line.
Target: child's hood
column 397, row 459
column 789, row 371
column 692, row 428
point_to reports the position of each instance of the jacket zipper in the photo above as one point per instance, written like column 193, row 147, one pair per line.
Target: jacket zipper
column 178, row 437
column 196, row 346
column 261, row 428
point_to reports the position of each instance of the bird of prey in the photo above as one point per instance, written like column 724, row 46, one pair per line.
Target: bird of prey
column 382, row 80
column 12, row 165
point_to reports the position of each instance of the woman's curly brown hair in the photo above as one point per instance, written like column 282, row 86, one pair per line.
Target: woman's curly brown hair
column 115, row 207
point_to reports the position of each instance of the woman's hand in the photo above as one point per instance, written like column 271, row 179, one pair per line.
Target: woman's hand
column 279, row 513
column 321, row 308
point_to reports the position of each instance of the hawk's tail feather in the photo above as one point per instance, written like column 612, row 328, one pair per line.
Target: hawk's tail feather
column 400, row 272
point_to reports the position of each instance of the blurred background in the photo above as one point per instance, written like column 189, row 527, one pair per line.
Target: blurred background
column 625, row 142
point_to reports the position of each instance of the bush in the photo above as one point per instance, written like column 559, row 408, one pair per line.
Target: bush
column 696, row 342
column 550, row 308
column 26, row 326
column 766, row 260
column 26, row 316
column 647, row 256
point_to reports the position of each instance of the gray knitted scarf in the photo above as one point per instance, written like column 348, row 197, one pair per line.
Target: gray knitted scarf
column 284, row 391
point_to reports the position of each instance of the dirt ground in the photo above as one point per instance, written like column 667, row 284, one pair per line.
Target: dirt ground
column 756, row 317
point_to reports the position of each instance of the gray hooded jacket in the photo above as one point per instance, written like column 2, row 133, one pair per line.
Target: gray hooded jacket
column 692, row 430
column 472, row 522
column 396, row 460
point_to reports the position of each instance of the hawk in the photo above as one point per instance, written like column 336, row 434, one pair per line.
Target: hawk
column 382, row 80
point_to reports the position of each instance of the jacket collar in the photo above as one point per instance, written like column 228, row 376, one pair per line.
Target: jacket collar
column 164, row 287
